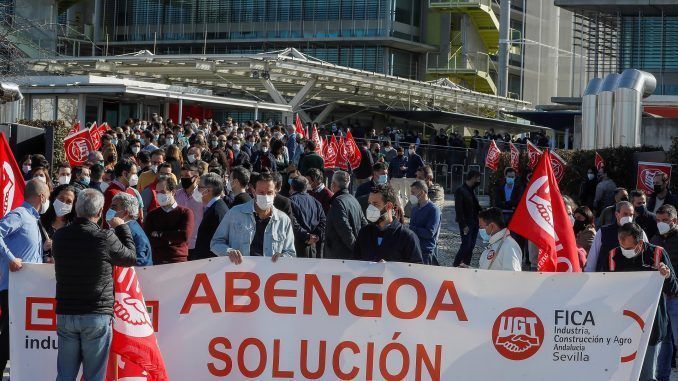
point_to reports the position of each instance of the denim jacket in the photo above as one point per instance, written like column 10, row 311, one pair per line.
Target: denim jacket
column 236, row 231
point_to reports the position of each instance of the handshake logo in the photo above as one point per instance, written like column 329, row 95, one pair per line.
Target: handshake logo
column 517, row 333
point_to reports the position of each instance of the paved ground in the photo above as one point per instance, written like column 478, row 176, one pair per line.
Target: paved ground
column 448, row 245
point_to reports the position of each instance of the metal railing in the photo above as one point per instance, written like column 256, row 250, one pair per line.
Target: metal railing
column 460, row 61
column 458, row 3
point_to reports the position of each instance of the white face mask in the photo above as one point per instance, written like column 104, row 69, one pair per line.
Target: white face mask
column 133, row 180
column 41, row 178
column 591, row 176
column 26, row 169
column 663, row 227
column 373, row 213
column 629, row 253
column 197, row 195
column 61, row 208
column 153, row 168
column 135, row 150
column 571, row 220
column 264, row 149
column 163, row 199
column 265, row 202
column 414, row 200
column 44, row 206
column 169, row 142
column 191, row 158
column 63, row 180
column 625, row 220
column 103, row 187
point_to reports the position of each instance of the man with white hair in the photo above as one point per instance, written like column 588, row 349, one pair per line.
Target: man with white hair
column 84, row 256
column 344, row 219
column 126, row 206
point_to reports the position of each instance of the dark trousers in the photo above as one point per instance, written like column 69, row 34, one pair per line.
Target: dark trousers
column 468, row 242
column 4, row 330
column 305, row 251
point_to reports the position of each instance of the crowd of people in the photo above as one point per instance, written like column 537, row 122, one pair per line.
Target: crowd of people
column 159, row 192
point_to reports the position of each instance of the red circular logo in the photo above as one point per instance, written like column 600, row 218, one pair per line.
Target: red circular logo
column 517, row 333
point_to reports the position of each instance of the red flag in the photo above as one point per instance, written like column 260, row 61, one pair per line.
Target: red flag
column 103, row 128
column 11, row 180
column 77, row 146
column 600, row 163
column 541, row 218
column 74, row 129
column 318, row 143
column 353, row 154
column 515, row 157
column 492, row 158
column 299, row 128
column 342, row 159
column 331, row 152
column 133, row 331
column 95, row 136
column 533, row 154
column 558, row 165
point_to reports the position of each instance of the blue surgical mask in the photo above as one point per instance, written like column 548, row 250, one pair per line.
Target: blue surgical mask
column 110, row 213
column 382, row 179
column 483, row 235
column 510, row 180
column 289, row 181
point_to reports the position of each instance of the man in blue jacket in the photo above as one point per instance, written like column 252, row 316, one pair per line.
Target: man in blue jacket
column 385, row 239
column 425, row 222
column 126, row 207
column 309, row 220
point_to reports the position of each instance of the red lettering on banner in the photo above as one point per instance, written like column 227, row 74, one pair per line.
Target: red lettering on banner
column 277, row 373
column 447, row 288
column 271, row 292
column 40, row 314
column 261, row 348
column 336, row 356
column 250, row 292
column 220, row 355
column 322, row 350
column 331, row 304
column 392, row 298
column 351, row 288
column 193, row 298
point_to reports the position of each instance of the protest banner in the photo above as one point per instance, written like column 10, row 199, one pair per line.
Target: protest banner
column 350, row 320
column 646, row 173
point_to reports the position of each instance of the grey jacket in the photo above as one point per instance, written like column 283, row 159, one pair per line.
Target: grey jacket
column 344, row 221
column 236, row 231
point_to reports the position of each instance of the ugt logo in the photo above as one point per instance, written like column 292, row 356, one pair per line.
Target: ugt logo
column 517, row 333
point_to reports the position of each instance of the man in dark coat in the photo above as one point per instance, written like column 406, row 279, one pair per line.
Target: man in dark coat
column 344, row 220
column 466, row 208
column 661, row 195
column 643, row 217
column 309, row 220
column 311, row 159
column 210, row 188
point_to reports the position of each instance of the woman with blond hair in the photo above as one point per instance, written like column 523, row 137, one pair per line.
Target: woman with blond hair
column 173, row 156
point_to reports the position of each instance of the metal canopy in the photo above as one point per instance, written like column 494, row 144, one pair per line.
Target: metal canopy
column 441, row 117
column 286, row 77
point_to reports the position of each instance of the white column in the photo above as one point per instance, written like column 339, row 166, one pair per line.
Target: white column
column 82, row 104
column 181, row 111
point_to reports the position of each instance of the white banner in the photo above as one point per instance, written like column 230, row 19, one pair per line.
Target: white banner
column 326, row 319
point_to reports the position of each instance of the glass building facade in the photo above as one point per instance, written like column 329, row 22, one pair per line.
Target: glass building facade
column 650, row 43
column 374, row 35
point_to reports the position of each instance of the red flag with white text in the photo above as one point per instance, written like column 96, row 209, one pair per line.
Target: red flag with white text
column 299, row 127
column 492, row 158
column 515, row 157
column 600, row 163
column 95, row 136
column 134, row 341
column 318, row 142
column 558, row 164
column 342, row 158
column 353, row 154
column 533, row 154
column 331, row 152
column 74, row 129
column 77, row 146
column 103, row 128
column 11, row 180
column 541, row 218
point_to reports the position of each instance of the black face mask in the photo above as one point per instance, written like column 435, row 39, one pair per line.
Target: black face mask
column 186, row 182
column 658, row 188
column 579, row 226
column 624, row 199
